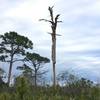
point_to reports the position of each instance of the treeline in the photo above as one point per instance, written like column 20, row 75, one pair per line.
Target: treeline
column 32, row 84
column 22, row 89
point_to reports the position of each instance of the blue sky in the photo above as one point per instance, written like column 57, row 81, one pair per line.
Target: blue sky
column 77, row 49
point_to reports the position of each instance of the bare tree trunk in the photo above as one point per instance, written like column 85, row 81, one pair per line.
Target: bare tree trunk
column 54, row 75
column 54, row 57
column 10, row 70
column 10, row 67
column 53, row 22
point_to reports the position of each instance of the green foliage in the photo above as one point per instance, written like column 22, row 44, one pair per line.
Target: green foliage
column 23, row 91
column 34, row 57
column 33, row 68
column 2, row 83
column 13, row 44
column 5, row 96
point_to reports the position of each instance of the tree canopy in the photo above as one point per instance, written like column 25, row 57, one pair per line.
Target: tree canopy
column 33, row 67
column 12, row 45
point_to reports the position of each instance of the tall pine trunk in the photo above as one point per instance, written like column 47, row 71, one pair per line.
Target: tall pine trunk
column 10, row 70
column 11, row 63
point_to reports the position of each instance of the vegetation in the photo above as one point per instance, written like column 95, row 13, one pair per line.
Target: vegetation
column 26, row 87
column 33, row 67
column 11, row 46
column 82, row 89
column 14, row 47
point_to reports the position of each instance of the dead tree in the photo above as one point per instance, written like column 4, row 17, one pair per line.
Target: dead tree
column 54, row 21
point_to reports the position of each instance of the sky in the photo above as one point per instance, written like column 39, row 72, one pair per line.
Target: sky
column 78, row 46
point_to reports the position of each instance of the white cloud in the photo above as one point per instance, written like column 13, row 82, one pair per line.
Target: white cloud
column 79, row 30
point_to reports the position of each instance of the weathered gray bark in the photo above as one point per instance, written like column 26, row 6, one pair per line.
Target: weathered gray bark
column 53, row 22
column 53, row 34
